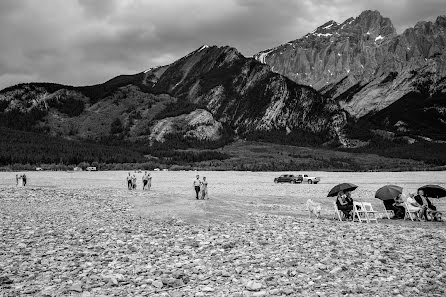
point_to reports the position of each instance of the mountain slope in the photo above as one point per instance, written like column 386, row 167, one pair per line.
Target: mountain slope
column 196, row 96
column 365, row 66
column 246, row 95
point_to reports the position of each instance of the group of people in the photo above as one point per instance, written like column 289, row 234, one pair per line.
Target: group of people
column 418, row 205
column 201, row 188
column 146, row 181
column 20, row 180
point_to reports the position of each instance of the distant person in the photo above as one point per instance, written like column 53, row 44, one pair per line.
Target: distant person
column 344, row 205
column 204, row 189
column 197, row 184
column 398, row 205
column 17, row 180
column 134, row 182
column 145, row 180
column 348, row 198
column 414, row 207
column 149, row 181
column 427, row 208
column 24, row 179
column 129, row 182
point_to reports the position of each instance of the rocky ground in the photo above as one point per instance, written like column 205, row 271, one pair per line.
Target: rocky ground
column 66, row 242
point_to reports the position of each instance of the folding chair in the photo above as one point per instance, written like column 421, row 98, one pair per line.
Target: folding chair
column 369, row 212
column 359, row 213
column 337, row 212
column 409, row 213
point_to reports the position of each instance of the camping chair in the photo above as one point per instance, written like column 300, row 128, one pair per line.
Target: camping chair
column 337, row 212
column 359, row 213
column 369, row 212
column 409, row 213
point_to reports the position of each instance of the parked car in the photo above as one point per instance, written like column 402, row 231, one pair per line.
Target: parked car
column 309, row 179
column 297, row 179
column 287, row 178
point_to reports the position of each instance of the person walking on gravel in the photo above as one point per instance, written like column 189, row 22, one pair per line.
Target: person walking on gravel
column 197, row 184
column 146, row 181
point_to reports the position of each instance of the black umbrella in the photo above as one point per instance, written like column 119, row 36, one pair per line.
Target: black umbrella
column 341, row 187
column 388, row 192
column 433, row 191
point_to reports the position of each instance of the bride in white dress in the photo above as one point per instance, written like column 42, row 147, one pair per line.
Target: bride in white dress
column 413, row 206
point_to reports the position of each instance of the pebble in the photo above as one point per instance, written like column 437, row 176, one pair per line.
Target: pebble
column 253, row 286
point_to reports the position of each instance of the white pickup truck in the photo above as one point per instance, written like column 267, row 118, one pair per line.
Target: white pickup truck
column 308, row 179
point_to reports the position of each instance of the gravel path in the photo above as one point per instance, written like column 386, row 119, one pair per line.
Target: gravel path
column 106, row 242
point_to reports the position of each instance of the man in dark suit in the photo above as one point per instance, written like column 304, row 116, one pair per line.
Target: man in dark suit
column 426, row 204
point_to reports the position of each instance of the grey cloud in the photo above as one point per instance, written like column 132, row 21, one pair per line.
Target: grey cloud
column 98, row 8
column 90, row 41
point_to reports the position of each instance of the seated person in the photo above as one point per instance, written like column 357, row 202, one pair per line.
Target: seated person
column 413, row 206
column 398, row 204
column 343, row 204
column 389, row 205
column 427, row 208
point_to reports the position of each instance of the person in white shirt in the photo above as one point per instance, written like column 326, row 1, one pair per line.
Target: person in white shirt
column 197, row 184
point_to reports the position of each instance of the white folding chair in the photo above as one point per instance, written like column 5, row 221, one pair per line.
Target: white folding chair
column 389, row 213
column 369, row 212
column 337, row 212
column 359, row 213
column 409, row 213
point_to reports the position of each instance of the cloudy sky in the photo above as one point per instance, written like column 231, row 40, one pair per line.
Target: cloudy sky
column 81, row 42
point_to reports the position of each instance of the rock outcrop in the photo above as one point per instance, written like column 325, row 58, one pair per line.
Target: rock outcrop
column 199, row 124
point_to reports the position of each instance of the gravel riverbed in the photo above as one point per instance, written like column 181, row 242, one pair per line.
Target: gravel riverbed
column 67, row 242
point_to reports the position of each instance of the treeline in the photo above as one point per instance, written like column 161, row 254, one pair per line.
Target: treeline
column 32, row 148
column 19, row 147
column 429, row 152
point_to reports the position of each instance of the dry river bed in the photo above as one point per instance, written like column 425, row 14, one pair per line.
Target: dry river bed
column 77, row 239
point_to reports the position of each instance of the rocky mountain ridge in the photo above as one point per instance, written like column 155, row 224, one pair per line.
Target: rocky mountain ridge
column 193, row 97
column 365, row 66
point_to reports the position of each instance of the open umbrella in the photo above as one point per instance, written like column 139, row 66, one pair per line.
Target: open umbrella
column 341, row 187
column 388, row 192
column 433, row 191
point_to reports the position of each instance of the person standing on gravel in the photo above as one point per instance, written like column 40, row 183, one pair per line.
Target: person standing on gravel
column 134, row 182
column 129, row 182
column 145, row 180
column 149, row 181
column 24, row 179
column 197, row 184
column 204, row 189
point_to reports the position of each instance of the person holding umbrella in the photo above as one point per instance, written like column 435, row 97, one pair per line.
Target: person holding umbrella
column 343, row 202
column 426, row 206
column 392, row 200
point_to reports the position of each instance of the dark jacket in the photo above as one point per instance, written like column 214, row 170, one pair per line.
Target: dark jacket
column 419, row 200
